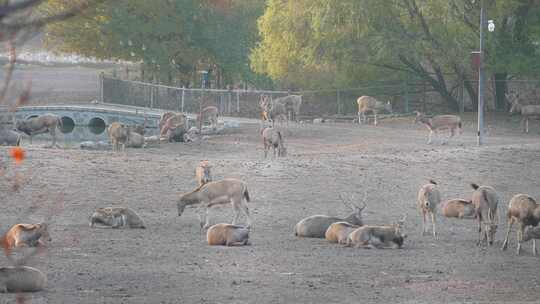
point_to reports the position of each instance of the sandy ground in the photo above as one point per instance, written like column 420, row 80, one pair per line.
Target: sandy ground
column 170, row 262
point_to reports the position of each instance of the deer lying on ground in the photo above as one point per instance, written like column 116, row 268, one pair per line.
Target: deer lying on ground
column 175, row 126
column 485, row 201
column 378, row 237
column 272, row 138
column 9, row 137
column 367, row 104
column 428, row 199
column 209, row 114
column 438, row 123
column 339, row 232
column 117, row 217
column 26, row 234
column 119, row 135
column 458, row 208
column 527, row 111
column 227, row 235
column 316, row 226
column 21, row 279
column 217, row 193
column 292, row 105
column 41, row 124
column 524, row 211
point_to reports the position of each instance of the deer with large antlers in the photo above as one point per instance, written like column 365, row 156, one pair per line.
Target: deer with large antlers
column 316, row 226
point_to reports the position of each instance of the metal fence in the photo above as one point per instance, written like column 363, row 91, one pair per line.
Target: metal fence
column 245, row 103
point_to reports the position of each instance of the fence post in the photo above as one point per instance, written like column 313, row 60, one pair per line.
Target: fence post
column 100, row 84
column 237, row 102
column 229, row 102
column 151, row 97
column 183, row 97
column 406, row 88
column 461, row 97
column 338, row 103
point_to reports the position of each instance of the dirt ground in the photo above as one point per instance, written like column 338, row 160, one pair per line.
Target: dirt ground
column 170, row 262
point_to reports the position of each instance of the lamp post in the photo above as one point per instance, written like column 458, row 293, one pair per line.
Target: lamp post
column 481, row 77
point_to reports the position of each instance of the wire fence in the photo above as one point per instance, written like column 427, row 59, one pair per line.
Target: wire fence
column 405, row 97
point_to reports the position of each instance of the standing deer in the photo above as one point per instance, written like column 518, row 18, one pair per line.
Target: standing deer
column 202, row 173
column 428, row 199
column 272, row 138
column 438, row 123
column 370, row 104
column 527, row 111
column 524, row 211
column 41, row 124
column 485, row 201
column 209, row 114
column 217, row 193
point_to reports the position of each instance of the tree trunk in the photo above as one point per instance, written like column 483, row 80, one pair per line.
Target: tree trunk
column 501, row 88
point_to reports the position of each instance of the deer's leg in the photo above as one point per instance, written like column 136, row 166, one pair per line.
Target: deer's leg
column 423, row 223
column 375, row 114
column 534, row 247
column 434, row 225
column 236, row 210
column 520, row 236
column 359, row 118
column 505, row 243
column 429, row 137
column 527, row 125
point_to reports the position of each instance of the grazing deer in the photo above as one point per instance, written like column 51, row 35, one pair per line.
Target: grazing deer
column 527, row 111
column 316, row 226
column 370, row 104
column 428, row 199
column 41, row 124
column 202, row 173
column 525, row 211
column 485, row 201
column 217, row 193
column 227, row 235
column 438, row 123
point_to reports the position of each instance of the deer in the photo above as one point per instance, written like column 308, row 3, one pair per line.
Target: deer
column 338, row 232
column 292, row 105
column 367, row 104
column 428, row 199
column 485, row 201
column 202, row 173
column 273, row 138
column 524, row 211
column 41, row 124
column 26, row 234
column 209, row 114
column 458, row 208
column 21, row 279
column 117, row 217
column 221, row 192
column 272, row 109
column 315, row 226
column 378, row 237
column 227, row 235
column 527, row 111
column 119, row 135
column 439, row 122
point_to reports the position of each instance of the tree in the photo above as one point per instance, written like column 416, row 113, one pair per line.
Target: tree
column 172, row 38
column 337, row 43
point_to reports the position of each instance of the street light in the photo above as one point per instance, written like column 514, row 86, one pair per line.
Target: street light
column 481, row 80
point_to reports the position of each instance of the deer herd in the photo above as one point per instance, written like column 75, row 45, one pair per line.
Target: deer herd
column 349, row 231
